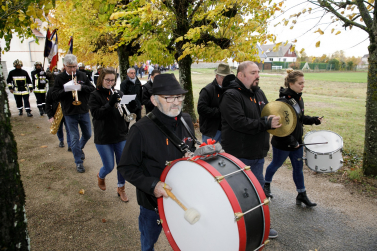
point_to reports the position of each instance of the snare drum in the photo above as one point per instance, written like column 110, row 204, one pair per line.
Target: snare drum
column 324, row 158
column 218, row 189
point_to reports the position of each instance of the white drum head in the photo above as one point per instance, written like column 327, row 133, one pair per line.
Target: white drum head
column 335, row 142
column 196, row 188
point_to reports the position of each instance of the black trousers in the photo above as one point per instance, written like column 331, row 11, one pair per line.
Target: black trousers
column 41, row 99
column 19, row 99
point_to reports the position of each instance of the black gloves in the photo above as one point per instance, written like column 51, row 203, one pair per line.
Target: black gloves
column 114, row 99
column 317, row 121
column 132, row 105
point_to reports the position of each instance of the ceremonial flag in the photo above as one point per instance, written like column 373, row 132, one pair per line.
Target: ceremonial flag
column 48, row 44
column 70, row 44
column 54, row 57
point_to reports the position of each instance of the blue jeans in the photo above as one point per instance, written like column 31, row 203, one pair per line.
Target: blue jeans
column 149, row 229
column 60, row 133
column 278, row 158
column 73, row 122
column 217, row 137
column 107, row 156
column 256, row 166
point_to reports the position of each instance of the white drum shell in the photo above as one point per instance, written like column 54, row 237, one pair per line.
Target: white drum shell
column 324, row 158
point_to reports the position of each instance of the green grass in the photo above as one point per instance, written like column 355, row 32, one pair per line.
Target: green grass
column 341, row 103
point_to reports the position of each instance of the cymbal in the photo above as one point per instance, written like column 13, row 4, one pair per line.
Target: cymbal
column 288, row 117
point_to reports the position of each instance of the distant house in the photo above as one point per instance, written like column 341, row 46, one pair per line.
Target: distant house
column 262, row 58
column 283, row 54
column 364, row 62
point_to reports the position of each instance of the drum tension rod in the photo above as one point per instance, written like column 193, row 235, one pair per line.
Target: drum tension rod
column 264, row 244
column 220, row 178
column 238, row 216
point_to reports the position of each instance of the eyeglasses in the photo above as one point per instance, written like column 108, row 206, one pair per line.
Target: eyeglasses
column 71, row 66
column 109, row 80
column 172, row 99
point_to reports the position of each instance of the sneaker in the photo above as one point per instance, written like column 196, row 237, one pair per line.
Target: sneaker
column 273, row 234
column 80, row 168
column 61, row 144
column 82, row 155
column 69, row 149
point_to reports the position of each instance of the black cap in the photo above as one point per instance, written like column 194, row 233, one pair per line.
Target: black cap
column 166, row 84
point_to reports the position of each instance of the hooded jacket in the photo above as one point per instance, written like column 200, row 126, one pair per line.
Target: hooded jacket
column 208, row 109
column 243, row 132
column 109, row 126
column 66, row 98
column 147, row 150
column 289, row 142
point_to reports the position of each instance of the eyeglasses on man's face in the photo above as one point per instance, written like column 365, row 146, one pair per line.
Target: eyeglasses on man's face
column 172, row 99
column 109, row 80
column 71, row 66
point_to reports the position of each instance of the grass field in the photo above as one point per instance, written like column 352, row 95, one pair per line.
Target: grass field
column 332, row 95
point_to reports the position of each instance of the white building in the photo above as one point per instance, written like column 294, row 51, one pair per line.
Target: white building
column 283, row 54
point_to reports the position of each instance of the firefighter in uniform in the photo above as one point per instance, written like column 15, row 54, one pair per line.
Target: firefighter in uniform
column 40, row 84
column 19, row 83
column 88, row 73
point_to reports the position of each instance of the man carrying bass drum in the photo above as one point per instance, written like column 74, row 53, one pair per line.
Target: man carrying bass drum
column 289, row 146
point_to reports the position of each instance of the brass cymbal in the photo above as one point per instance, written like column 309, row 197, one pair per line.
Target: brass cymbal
column 288, row 118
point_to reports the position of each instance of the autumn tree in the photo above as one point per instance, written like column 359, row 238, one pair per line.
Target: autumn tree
column 16, row 18
column 193, row 30
column 356, row 14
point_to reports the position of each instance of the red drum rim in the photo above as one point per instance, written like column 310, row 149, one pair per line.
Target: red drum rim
column 229, row 193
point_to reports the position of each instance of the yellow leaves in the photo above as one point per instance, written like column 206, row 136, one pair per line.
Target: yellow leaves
column 117, row 15
column 179, row 39
column 286, row 22
column 293, row 48
column 313, row 59
column 291, row 27
column 361, row 20
column 21, row 16
column 318, row 44
column 277, row 46
column 319, row 31
column 338, row 32
column 30, row 11
column 294, row 41
column 332, row 30
column 294, row 21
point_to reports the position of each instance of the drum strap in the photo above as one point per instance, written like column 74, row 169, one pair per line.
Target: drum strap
column 189, row 131
column 296, row 106
column 171, row 136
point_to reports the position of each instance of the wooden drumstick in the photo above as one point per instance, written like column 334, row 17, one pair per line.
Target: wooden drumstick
column 191, row 214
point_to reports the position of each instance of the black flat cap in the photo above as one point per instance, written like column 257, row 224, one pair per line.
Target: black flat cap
column 166, row 84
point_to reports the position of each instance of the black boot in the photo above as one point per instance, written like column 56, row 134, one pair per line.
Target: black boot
column 302, row 197
column 267, row 190
column 43, row 109
column 20, row 112
column 40, row 110
column 29, row 113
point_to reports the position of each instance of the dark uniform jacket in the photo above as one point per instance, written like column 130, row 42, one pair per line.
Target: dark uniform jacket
column 95, row 77
column 208, row 109
column 19, row 81
column 88, row 74
column 129, row 88
column 51, row 104
column 243, row 131
column 146, row 151
column 289, row 142
column 66, row 98
column 147, row 93
column 109, row 126
column 40, row 81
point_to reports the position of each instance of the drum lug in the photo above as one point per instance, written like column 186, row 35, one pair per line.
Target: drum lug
column 167, row 163
column 222, row 163
column 238, row 216
column 159, row 222
column 330, row 156
column 219, row 178
column 315, row 156
column 245, row 195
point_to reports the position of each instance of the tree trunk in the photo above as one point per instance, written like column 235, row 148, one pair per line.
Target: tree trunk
column 186, row 83
column 124, row 63
column 370, row 144
column 13, row 223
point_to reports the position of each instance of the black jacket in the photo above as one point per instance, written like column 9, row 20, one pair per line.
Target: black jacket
column 19, row 86
column 66, row 98
column 109, row 126
column 41, row 77
column 95, row 78
column 129, row 88
column 243, row 133
column 88, row 74
column 51, row 105
column 208, row 109
column 289, row 142
column 146, row 151
column 147, row 93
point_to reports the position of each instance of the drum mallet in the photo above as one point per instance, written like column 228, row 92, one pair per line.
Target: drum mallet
column 191, row 215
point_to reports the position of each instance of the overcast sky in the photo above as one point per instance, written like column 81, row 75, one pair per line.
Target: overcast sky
column 353, row 42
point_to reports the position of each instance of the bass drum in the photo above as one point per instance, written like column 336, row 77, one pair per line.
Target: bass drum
column 323, row 158
column 198, row 184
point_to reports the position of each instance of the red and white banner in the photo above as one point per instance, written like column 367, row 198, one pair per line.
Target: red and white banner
column 54, row 57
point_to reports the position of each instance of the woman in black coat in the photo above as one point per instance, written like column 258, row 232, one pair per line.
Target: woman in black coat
column 289, row 146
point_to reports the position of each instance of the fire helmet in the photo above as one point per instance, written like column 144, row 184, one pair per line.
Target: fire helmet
column 17, row 62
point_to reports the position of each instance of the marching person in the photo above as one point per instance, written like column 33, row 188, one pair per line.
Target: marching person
column 147, row 92
column 51, row 107
column 82, row 69
column 208, row 105
column 20, row 86
column 289, row 146
column 147, row 149
column 132, row 85
column 110, row 128
column 75, row 115
column 96, row 75
column 40, row 84
column 243, row 132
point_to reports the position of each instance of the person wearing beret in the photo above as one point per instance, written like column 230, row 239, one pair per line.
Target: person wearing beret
column 147, row 149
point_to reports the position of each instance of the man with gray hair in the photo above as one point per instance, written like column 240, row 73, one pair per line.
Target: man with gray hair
column 244, row 131
column 75, row 113
column 130, row 86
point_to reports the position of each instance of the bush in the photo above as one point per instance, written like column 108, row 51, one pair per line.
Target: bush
column 294, row 65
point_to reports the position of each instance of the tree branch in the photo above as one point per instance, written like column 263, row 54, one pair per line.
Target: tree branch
column 195, row 10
